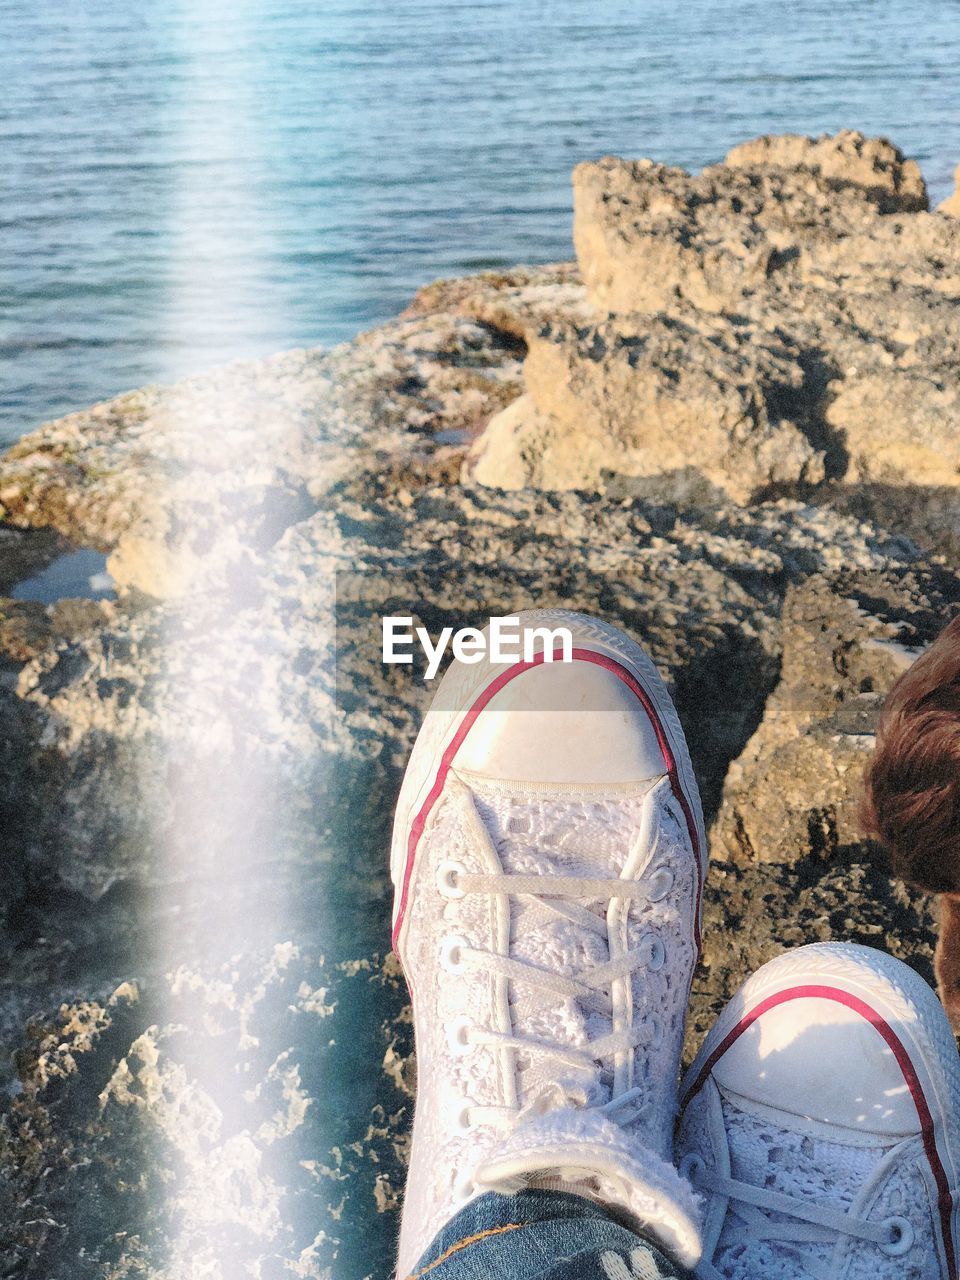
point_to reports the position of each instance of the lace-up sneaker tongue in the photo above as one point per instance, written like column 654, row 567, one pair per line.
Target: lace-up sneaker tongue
column 822, row 1122
column 544, row 835
column 552, row 835
column 548, row 928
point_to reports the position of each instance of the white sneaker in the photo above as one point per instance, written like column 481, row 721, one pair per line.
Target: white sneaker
column 822, row 1123
column 548, row 857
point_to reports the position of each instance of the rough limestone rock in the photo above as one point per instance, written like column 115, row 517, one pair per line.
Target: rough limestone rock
column 182, row 1120
column 186, row 482
column 272, row 676
column 952, row 203
column 213, row 782
column 647, row 234
column 848, row 159
column 206, row 1048
column 517, row 302
column 813, row 254
column 602, row 401
column 845, row 642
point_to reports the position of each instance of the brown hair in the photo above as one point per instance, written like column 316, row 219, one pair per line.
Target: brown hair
column 912, row 797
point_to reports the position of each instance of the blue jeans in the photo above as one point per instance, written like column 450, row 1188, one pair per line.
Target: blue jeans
column 541, row 1235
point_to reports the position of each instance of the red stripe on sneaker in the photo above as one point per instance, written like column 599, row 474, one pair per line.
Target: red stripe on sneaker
column 904, row 1062
column 487, row 694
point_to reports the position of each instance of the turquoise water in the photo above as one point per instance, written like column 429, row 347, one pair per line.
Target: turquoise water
column 184, row 183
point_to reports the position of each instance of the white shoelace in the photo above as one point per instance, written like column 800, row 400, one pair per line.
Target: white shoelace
column 806, row 1222
column 587, row 986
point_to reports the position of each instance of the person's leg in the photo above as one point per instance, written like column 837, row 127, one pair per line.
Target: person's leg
column 548, row 859
column 821, row 1121
column 541, row 1235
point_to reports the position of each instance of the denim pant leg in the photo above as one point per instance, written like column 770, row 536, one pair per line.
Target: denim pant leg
column 541, row 1235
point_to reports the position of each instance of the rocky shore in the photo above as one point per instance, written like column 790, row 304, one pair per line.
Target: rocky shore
column 732, row 427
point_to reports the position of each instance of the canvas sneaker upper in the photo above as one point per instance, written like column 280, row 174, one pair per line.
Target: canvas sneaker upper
column 822, row 1124
column 549, row 935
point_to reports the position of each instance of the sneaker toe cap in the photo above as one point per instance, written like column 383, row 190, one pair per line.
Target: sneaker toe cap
column 823, row 1060
column 564, row 723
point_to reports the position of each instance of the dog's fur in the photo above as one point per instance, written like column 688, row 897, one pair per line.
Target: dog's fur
column 912, row 796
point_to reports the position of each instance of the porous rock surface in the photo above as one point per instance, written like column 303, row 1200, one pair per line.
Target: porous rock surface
column 207, row 1048
column 952, row 203
column 781, row 320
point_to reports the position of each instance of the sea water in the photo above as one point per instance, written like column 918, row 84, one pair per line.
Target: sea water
column 189, row 182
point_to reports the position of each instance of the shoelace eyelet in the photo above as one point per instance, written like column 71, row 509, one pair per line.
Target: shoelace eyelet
column 656, row 1031
column 657, row 953
column 901, row 1237
column 661, row 882
column 451, row 954
column 448, row 873
column 691, row 1166
column 466, row 1189
column 458, row 1036
column 464, row 1124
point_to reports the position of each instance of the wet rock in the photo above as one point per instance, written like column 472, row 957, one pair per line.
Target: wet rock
column 182, row 485
column 29, row 629
column 25, row 630
column 26, row 552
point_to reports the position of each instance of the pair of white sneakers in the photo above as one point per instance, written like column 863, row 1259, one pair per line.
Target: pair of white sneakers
column 549, row 857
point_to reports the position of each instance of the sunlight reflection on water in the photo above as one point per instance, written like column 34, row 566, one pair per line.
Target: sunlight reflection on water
column 390, row 144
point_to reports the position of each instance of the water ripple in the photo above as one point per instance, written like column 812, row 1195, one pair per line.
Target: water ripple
column 283, row 173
